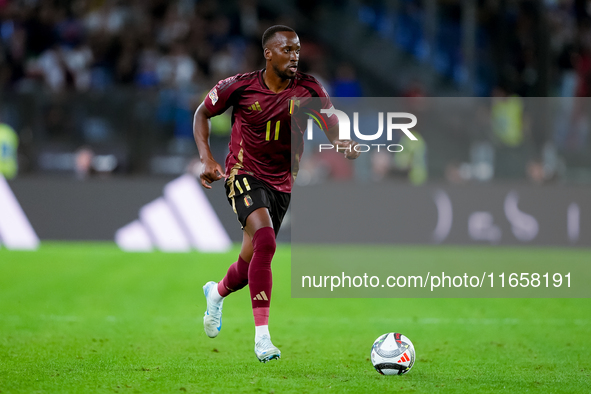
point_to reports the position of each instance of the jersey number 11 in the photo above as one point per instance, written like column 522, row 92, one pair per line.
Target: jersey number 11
column 268, row 136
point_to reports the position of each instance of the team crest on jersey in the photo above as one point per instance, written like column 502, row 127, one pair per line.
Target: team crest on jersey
column 247, row 201
column 213, row 95
column 293, row 106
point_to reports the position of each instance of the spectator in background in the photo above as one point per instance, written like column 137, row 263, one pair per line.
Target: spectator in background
column 223, row 64
column 83, row 162
column 177, row 69
column 509, row 126
column 15, row 43
column 147, row 64
column 38, row 22
column 414, row 89
column 507, row 118
column 410, row 164
column 177, row 73
column 175, row 27
column 574, row 136
column 562, row 40
column 316, row 62
column 49, row 68
column 582, row 64
column 77, row 62
column 8, row 151
column 109, row 19
column 412, row 161
column 572, row 124
column 346, row 83
column 249, row 19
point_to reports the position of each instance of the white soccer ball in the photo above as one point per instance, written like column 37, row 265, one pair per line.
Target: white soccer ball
column 392, row 354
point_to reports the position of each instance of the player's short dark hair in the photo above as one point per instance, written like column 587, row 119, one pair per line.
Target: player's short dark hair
column 270, row 32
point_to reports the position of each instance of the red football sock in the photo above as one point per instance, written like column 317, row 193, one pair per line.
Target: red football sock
column 260, row 279
column 261, row 316
column 236, row 278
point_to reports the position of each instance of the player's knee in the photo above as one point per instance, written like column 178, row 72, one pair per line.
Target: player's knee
column 245, row 256
column 243, row 267
column 263, row 241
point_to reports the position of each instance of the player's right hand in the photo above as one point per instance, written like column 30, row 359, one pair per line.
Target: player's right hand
column 347, row 147
column 211, row 171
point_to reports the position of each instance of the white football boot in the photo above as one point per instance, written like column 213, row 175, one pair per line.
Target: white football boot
column 265, row 350
column 212, row 321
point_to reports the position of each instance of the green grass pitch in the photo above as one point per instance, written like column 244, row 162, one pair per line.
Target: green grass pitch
column 85, row 318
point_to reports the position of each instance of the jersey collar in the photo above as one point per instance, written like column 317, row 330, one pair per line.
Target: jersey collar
column 264, row 85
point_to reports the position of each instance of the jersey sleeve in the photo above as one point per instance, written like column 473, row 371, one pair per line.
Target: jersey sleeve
column 331, row 120
column 218, row 99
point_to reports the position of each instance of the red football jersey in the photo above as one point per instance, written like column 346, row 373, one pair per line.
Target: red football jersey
column 262, row 129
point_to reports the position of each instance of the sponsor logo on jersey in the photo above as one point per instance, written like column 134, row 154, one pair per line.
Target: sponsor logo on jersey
column 255, row 107
column 213, row 95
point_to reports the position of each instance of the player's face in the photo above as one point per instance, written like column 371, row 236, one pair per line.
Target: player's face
column 284, row 54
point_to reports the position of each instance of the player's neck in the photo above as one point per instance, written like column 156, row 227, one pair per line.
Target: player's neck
column 274, row 82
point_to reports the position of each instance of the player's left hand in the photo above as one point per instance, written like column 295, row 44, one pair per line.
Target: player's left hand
column 347, row 147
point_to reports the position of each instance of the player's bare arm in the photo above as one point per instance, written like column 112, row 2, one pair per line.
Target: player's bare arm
column 345, row 146
column 211, row 170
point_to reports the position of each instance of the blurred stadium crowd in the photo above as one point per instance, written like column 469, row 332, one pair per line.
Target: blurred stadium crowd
column 87, row 45
column 93, row 45
column 102, row 86
column 532, row 48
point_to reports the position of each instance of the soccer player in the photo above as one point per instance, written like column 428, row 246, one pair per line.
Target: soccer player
column 258, row 169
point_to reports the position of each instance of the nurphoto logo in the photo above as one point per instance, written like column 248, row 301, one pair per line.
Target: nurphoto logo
column 392, row 123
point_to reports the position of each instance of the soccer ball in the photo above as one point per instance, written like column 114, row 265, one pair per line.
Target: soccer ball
column 392, row 354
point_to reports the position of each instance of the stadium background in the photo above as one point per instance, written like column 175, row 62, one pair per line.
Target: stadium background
column 101, row 96
column 99, row 92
